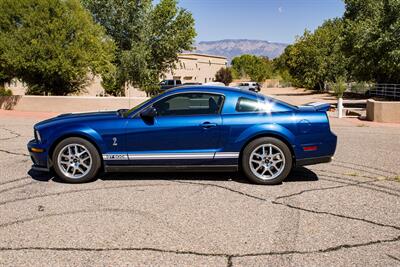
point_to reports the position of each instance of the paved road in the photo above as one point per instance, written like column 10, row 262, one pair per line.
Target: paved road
column 343, row 213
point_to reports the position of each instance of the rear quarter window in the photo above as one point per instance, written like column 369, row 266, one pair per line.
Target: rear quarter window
column 268, row 105
column 247, row 105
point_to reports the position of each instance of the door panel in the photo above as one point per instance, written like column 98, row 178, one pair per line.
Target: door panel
column 173, row 139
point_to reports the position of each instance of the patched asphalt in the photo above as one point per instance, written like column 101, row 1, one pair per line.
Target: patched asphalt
column 344, row 213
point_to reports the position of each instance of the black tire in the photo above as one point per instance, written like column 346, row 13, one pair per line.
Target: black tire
column 287, row 166
column 95, row 160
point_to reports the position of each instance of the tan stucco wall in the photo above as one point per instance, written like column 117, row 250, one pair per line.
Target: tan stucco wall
column 383, row 111
column 67, row 103
column 197, row 68
column 191, row 67
column 93, row 88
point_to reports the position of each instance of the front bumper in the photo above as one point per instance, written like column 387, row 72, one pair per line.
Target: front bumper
column 39, row 156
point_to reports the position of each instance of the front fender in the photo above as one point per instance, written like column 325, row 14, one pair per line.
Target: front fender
column 77, row 130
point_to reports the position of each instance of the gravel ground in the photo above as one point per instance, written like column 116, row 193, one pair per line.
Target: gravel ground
column 343, row 213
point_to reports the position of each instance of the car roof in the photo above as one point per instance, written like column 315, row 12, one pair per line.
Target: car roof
column 213, row 89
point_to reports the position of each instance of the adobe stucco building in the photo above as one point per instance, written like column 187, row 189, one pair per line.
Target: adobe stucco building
column 190, row 68
column 196, row 68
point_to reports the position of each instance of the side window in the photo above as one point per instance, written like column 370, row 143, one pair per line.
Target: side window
column 178, row 82
column 247, row 105
column 170, row 82
column 189, row 104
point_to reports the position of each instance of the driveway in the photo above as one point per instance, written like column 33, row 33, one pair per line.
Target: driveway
column 343, row 213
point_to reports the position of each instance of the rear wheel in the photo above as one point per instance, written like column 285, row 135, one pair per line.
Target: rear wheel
column 76, row 160
column 267, row 161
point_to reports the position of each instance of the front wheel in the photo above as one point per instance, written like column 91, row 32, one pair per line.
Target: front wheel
column 267, row 161
column 76, row 160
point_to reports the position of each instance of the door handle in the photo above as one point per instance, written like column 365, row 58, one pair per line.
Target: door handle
column 207, row 125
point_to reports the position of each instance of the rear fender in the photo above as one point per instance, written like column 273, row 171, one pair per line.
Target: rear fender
column 265, row 130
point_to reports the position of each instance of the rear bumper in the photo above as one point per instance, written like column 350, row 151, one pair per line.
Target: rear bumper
column 312, row 161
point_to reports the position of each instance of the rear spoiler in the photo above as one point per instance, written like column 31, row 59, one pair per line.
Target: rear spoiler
column 319, row 106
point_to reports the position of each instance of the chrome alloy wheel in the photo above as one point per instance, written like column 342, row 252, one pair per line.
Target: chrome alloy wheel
column 267, row 161
column 74, row 161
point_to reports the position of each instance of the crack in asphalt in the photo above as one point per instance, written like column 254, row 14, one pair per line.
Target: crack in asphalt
column 393, row 257
column 229, row 261
column 228, row 256
column 77, row 191
column 363, row 170
column 130, row 211
column 15, row 180
column 375, row 178
column 366, row 185
column 294, row 207
column 370, row 185
column 15, row 187
column 196, row 253
column 223, row 187
column 347, row 174
column 14, row 153
column 365, row 166
column 337, row 215
column 321, row 189
column 16, row 135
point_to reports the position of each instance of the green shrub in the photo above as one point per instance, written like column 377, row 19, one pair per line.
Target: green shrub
column 224, row 75
column 339, row 87
column 5, row 92
column 359, row 87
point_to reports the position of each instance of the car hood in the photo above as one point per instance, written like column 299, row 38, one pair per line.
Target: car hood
column 77, row 118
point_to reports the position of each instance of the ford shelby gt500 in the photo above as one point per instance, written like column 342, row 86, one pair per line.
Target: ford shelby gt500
column 191, row 128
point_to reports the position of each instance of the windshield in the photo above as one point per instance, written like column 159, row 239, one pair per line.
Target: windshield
column 139, row 105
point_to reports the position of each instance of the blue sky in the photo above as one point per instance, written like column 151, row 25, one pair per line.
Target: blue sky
column 271, row 20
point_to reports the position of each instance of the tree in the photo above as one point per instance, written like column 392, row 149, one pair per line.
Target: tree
column 256, row 68
column 316, row 58
column 371, row 39
column 148, row 39
column 51, row 45
column 224, row 75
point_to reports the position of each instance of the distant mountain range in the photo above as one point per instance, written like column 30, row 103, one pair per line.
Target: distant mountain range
column 231, row 48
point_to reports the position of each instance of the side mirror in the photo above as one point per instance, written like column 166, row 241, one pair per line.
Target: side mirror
column 148, row 113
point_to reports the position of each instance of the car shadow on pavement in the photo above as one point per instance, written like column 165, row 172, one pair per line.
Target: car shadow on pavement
column 299, row 174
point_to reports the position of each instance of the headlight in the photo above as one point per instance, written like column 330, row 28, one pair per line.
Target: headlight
column 37, row 136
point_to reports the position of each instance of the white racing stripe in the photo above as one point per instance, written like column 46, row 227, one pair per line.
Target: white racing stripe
column 156, row 156
column 226, row 155
column 172, row 156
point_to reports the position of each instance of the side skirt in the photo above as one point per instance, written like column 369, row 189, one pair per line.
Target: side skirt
column 171, row 168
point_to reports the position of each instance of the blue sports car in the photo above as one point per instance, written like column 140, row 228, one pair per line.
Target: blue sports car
column 193, row 128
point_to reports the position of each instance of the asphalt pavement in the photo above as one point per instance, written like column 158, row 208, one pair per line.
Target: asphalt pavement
column 344, row 213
